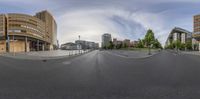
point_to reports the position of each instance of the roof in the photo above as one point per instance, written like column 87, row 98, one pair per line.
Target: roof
column 70, row 43
column 178, row 29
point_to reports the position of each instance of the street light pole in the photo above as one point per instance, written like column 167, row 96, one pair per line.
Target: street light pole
column 13, row 46
column 79, row 43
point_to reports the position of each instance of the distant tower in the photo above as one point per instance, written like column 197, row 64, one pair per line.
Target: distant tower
column 106, row 38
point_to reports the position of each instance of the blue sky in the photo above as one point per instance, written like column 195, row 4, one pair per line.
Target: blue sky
column 122, row 18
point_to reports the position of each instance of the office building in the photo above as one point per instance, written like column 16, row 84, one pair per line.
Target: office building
column 24, row 33
column 106, row 38
column 178, row 34
column 196, row 25
column 196, row 32
column 87, row 44
column 70, row 46
column 50, row 27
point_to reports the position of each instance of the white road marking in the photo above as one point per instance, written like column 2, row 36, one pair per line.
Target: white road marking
column 67, row 62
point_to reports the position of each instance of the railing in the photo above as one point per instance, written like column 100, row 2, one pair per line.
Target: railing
column 78, row 52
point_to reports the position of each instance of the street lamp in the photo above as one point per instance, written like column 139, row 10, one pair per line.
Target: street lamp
column 79, row 43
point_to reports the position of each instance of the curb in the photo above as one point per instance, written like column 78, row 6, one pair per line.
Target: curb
column 190, row 54
column 144, row 57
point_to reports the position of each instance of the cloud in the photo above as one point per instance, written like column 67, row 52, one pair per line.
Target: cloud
column 92, row 23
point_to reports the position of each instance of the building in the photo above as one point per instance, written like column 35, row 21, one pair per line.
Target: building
column 106, row 38
column 70, row 46
column 134, row 43
column 178, row 34
column 196, row 25
column 82, row 43
column 90, row 45
column 87, row 44
column 115, row 41
column 196, row 32
column 96, row 45
column 50, row 27
column 127, row 42
column 24, row 33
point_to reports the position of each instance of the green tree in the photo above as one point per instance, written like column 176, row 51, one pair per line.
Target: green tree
column 125, row 45
column 119, row 46
column 171, row 46
column 177, row 44
column 104, row 47
column 182, row 47
column 188, row 45
column 157, row 44
column 149, row 39
column 111, row 45
column 140, row 44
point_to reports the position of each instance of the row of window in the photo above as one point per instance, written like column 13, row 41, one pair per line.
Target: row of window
column 18, row 24
column 22, row 21
column 16, row 31
column 23, row 31
column 24, row 26
column 22, row 18
column 28, row 27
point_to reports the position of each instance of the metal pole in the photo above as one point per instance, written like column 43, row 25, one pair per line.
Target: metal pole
column 26, row 44
column 79, row 43
column 13, row 45
column 37, row 45
column 8, row 44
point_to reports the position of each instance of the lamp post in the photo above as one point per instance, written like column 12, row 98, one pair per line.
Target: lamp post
column 13, row 45
column 79, row 43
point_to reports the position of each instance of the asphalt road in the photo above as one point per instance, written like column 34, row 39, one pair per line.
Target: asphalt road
column 99, row 75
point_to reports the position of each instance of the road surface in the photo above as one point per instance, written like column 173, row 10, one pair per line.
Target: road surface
column 99, row 75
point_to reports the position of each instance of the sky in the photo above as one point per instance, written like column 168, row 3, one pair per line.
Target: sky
column 123, row 19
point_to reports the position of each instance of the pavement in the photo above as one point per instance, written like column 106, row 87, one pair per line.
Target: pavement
column 99, row 75
column 41, row 55
column 191, row 52
column 133, row 54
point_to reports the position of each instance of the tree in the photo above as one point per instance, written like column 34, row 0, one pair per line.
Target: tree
column 171, row 46
column 125, row 45
column 111, row 45
column 104, row 47
column 177, row 44
column 140, row 44
column 149, row 39
column 157, row 44
column 119, row 46
column 188, row 45
column 182, row 47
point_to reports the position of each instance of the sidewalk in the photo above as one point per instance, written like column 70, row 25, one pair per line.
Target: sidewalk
column 41, row 55
column 191, row 52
